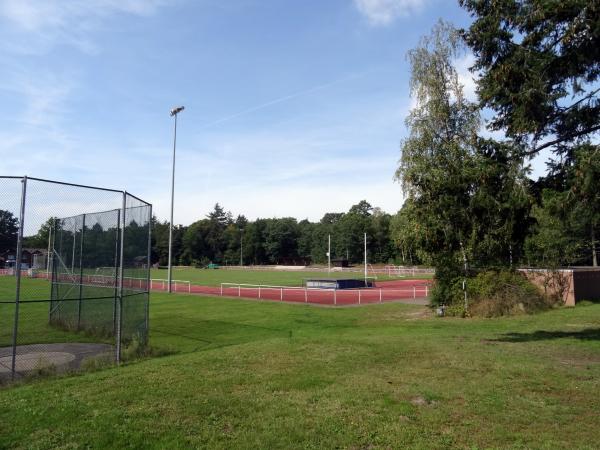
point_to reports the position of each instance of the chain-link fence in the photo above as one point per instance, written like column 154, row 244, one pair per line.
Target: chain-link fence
column 74, row 275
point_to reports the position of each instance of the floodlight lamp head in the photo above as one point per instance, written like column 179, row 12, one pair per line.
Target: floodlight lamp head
column 177, row 110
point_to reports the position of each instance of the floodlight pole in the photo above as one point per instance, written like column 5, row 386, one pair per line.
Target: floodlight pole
column 365, row 258
column 19, row 257
column 174, row 113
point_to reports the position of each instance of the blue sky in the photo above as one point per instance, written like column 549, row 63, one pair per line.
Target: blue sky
column 293, row 108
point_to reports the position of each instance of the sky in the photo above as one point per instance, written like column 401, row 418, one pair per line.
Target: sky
column 292, row 108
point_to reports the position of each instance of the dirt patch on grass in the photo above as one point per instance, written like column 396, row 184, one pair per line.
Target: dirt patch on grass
column 422, row 401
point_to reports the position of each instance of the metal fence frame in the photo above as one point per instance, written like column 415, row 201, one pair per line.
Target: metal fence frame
column 120, row 270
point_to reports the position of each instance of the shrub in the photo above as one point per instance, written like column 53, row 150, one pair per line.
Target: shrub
column 498, row 293
column 138, row 348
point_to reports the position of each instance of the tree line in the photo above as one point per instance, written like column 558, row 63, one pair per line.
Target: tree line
column 222, row 239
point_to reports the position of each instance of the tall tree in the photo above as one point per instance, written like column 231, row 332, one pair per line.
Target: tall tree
column 539, row 67
column 568, row 211
column 437, row 166
column 381, row 244
column 9, row 228
column 585, row 196
column 40, row 239
column 281, row 239
column 350, row 230
column 405, row 232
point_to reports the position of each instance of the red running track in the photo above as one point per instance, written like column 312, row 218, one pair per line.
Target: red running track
column 408, row 291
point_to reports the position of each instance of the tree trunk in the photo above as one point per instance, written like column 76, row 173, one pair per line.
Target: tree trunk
column 464, row 255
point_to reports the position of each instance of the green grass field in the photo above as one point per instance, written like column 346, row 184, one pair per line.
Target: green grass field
column 272, row 277
column 33, row 316
column 250, row 374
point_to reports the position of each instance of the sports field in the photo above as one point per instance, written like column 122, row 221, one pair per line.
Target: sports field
column 273, row 375
column 209, row 277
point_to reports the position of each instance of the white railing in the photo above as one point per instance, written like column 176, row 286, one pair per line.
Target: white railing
column 106, row 280
column 160, row 284
column 361, row 295
column 389, row 270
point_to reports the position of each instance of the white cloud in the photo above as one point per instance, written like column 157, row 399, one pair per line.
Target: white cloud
column 37, row 25
column 33, row 15
column 466, row 77
column 384, row 12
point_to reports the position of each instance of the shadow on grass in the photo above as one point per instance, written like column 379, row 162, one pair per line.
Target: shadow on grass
column 197, row 335
column 589, row 334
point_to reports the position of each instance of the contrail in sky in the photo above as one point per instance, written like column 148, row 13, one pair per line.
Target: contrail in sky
column 282, row 99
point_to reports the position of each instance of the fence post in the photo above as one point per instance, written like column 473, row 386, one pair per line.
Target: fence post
column 259, row 292
column 239, row 291
column 281, row 294
column 359, row 296
column 414, row 292
column 305, row 295
column 121, row 277
column 52, row 277
column 80, row 272
column 335, row 296
column 149, row 285
column 221, row 289
column 48, row 254
column 116, row 280
column 426, row 291
column 380, row 300
column 18, row 275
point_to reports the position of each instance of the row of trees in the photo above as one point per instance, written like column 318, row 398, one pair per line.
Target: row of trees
column 219, row 238
column 470, row 203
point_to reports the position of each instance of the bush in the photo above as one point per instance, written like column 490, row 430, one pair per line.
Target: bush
column 497, row 293
column 447, row 271
column 138, row 348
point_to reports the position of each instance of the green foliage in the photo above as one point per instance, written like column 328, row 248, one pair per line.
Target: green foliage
column 281, row 239
column 500, row 205
column 437, row 163
column 446, row 274
column 567, row 217
column 218, row 238
column 537, row 63
column 551, row 244
column 498, row 293
column 467, row 196
column 40, row 240
column 9, row 227
column 538, row 66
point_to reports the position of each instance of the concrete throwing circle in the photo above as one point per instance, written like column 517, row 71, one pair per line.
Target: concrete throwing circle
column 60, row 357
column 37, row 360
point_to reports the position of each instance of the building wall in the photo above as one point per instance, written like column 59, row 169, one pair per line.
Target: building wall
column 553, row 282
column 572, row 285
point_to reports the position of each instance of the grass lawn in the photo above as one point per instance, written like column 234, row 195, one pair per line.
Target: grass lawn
column 209, row 277
column 251, row 374
column 33, row 324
